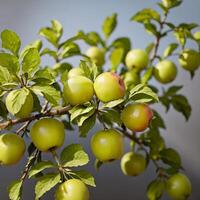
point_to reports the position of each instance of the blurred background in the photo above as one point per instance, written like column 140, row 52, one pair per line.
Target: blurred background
column 26, row 17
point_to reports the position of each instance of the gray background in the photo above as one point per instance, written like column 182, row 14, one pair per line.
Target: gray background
column 26, row 17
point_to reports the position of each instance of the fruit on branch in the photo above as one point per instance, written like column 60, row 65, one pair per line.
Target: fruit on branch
column 75, row 72
column 168, row 3
column 72, row 189
column 189, row 59
column 97, row 55
column 78, row 90
column 157, row 144
column 12, row 148
column 197, row 36
column 109, row 86
column 136, row 58
column 165, row 71
column 47, row 133
column 179, row 187
column 131, row 78
column 133, row 164
column 25, row 109
column 107, row 145
column 136, row 116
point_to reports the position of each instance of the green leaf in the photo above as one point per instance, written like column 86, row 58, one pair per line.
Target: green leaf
column 171, row 157
column 98, row 164
column 155, row 189
column 149, row 48
column 40, row 167
column 10, row 62
column 45, row 183
column 170, row 49
column 151, row 28
column 60, row 68
column 146, row 15
column 31, row 61
column 173, row 90
column 81, row 119
column 74, row 156
column 57, row 27
column 10, row 41
column 4, row 75
column 181, row 104
column 49, row 52
column 116, row 58
column 147, row 75
column 36, row 102
column 85, row 176
column 3, row 109
column 14, row 190
column 87, row 125
column 50, row 93
column 109, row 25
column 19, row 97
column 70, row 49
column 157, row 121
column 112, row 104
column 93, row 38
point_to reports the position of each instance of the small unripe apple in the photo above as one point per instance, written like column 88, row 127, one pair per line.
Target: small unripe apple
column 107, row 145
column 190, row 59
column 168, row 3
column 47, row 134
column 197, row 36
column 165, row 71
column 26, row 108
column 97, row 55
column 137, row 58
column 131, row 78
column 136, row 116
column 12, row 148
column 109, row 86
column 72, row 189
column 78, row 90
column 75, row 72
column 179, row 187
column 133, row 164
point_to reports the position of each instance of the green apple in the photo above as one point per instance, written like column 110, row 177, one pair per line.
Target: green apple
column 165, row 71
column 190, row 59
column 168, row 3
column 97, row 55
column 109, row 86
column 179, row 187
column 26, row 108
column 197, row 36
column 78, row 90
column 136, row 116
column 72, row 189
column 47, row 133
column 12, row 148
column 137, row 58
column 133, row 164
column 107, row 145
column 131, row 78
column 75, row 72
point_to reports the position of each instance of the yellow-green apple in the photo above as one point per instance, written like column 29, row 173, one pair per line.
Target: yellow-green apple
column 131, row 78
column 165, row 71
column 179, row 187
column 197, row 36
column 78, row 90
column 136, row 116
column 107, row 145
column 47, row 134
column 72, row 189
column 25, row 109
column 75, row 72
column 12, row 148
column 97, row 55
column 133, row 164
column 137, row 58
column 109, row 86
column 189, row 59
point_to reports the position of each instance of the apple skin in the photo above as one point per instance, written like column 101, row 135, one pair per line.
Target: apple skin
column 97, row 55
column 168, row 3
column 75, row 72
column 133, row 164
column 109, row 86
column 78, row 90
column 47, row 133
column 131, row 78
column 179, row 187
column 197, row 36
column 72, row 189
column 136, row 116
column 165, row 71
column 25, row 110
column 189, row 59
column 12, row 148
column 136, row 58
column 107, row 145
